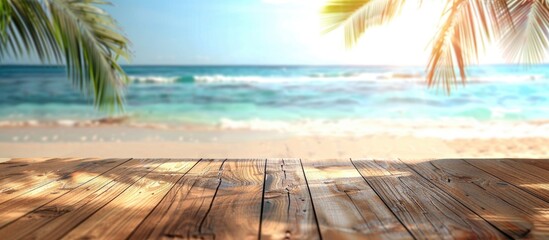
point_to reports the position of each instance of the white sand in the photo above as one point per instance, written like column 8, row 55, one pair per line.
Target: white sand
column 117, row 141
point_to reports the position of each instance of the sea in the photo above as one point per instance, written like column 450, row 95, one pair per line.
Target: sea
column 323, row 98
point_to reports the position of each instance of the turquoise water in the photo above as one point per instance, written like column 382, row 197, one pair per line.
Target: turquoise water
column 176, row 94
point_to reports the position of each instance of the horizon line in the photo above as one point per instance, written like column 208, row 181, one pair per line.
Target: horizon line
column 262, row 65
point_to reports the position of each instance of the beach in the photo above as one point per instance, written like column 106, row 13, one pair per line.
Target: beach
column 124, row 141
column 307, row 112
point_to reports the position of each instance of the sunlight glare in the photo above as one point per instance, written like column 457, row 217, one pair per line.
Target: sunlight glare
column 404, row 41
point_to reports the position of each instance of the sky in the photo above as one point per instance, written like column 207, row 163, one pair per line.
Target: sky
column 267, row 32
column 261, row 32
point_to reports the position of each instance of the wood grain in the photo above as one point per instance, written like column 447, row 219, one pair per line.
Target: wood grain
column 273, row 199
column 527, row 177
column 346, row 206
column 287, row 207
column 19, row 176
column 62, row 182
column 121, row 216
column 217, row 199
column 7, row 163
column 56, row 218
column 510, row 209
column 181, row 212
column 236, row 209
column 426, row 211
column 541, row 163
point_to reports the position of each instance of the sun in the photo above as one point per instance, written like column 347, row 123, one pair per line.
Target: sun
column 404, row 41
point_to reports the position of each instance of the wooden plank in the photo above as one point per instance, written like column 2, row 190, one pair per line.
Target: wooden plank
column 25, row 165
column 541, row 163
column 287, row 208
column 121, row 216
column 217, row 199
column 527, row 177
column 19, row 176
column 426, row 211
column 65, row 181
column 346, row 206
column 510, row 209
column 8, row 162
column 181, row 212
column 55, row 219
column 236, row 209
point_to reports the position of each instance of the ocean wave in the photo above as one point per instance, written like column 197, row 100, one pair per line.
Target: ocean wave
column 357, row 77
column 161, row 79
column 317, row 77
column 456, row 129
column 325, row 77
column 66, row 122
column 240, row 79
column 507, row 78
column 153, row 79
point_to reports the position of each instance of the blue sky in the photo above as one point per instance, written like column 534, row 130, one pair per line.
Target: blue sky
column 214, row 31
column 264, row 32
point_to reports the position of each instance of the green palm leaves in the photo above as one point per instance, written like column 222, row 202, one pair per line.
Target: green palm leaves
column 356, row 16
column 466, row 28
column 77, row 32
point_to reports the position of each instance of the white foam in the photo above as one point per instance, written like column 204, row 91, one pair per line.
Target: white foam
column 244, row 79
column 66, row 122
column 359, row 77
column 443, row 128
column 329, row 77
column 451, row 129
column 61, row 122
column 507, row 78
column 153, row 79
column 363, row 77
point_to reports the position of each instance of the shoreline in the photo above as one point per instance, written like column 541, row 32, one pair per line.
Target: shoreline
column 126, row 129
column 122, row 141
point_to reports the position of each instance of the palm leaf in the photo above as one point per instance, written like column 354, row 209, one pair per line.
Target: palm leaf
column 467, row 27
column 25, row 29
column 529, row 40
column 357, row 16
column 92, row 44
column 77, row 32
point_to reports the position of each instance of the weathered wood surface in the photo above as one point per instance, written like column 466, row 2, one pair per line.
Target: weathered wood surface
column 346, row 206
column 219, row 199
column 521, row 174
column 185, row 205
column 235, row 212
column 118, row 218
column 426, row 211
column 541, row 163
column 57, row 218
column 513, row 211
column 287, row 207
column 58, row 184
column 23, row 175
column 273, row 199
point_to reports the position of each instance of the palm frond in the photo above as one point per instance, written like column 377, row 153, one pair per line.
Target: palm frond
column 91, row 43
column 356, row 16
column 25, row 29
column 467, row 26
column 77, row 32
column 529, row 40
